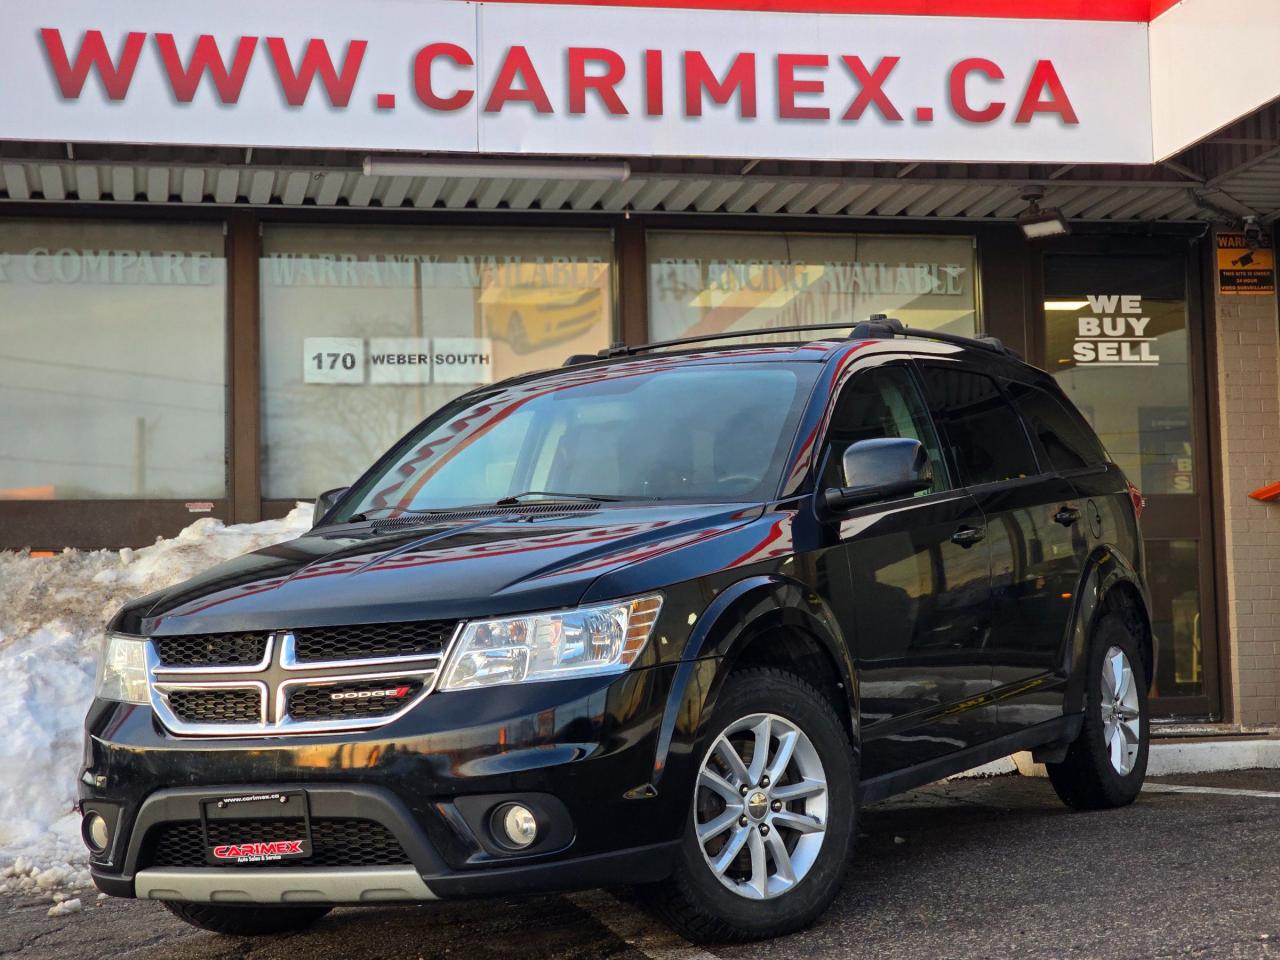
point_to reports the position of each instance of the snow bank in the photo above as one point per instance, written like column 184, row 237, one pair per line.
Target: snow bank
column 52, row 614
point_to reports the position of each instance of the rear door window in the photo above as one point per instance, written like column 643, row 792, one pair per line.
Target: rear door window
column 982, row 431
column 1063, row 435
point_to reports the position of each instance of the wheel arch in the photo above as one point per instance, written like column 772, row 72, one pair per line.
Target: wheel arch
column 1110, row 584
column 760, row 621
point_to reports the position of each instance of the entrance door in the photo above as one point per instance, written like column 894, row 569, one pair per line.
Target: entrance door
column 1123, row 336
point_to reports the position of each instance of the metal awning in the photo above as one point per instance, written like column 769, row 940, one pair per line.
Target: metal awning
column 1234, row 174
column 645, row 192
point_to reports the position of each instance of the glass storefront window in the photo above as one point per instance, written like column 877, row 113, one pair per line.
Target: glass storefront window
column 113, row 369
column 367, row 330
column 702, row 282
column 1173, row 569
column 1116, row 340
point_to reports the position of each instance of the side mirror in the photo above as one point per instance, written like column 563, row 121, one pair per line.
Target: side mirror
column 880, row 469
column 326, row 502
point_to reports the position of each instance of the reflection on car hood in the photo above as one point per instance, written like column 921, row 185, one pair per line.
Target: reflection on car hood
column 441, row 569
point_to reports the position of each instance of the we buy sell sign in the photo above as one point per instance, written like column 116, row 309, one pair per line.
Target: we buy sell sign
column 531, row 78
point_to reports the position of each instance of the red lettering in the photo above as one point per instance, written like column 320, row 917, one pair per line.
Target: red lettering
column 92, row 55
column 789, row 87
column 872, row 88
column 186, row 80
column 258, row 849
column 1041, row 77
column 959, row 90
column 653, row 83
column 740, row 78
column 603, row 85
column 422, row 76
column 517, row 64
column 316, row 59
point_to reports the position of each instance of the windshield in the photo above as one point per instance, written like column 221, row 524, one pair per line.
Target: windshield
column 646, row 431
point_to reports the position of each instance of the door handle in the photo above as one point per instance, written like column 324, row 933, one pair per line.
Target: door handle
column 1067, row 515
column 967, row 536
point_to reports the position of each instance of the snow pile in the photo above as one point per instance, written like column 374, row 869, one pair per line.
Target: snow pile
column 52, row 614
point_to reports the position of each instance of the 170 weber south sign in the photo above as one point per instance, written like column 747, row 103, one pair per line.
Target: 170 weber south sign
column 447, row 75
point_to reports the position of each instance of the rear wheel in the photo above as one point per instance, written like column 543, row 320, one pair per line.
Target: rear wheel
column 246, row 921
column 773, row 815
column 1107, row 763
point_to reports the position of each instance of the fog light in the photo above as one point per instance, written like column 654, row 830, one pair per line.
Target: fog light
column 516, row 825
column 96, row 833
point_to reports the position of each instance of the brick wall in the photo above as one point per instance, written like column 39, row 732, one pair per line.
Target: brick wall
column 1249, row 417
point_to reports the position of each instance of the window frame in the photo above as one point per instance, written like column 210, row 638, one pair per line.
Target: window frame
column 973, row 369
column 905, row 362
column 1068, row 409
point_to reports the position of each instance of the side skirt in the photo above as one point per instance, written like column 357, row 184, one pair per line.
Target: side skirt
column 1060, row 731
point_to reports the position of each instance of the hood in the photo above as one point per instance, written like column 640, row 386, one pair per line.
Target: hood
column 435, row 570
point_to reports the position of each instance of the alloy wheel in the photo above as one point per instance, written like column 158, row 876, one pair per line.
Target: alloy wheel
column 1121, row 715
column 760, row 806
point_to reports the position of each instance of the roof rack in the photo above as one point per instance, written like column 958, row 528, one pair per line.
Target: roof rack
column 881, row 327
column 623, row 350
column 878, row 327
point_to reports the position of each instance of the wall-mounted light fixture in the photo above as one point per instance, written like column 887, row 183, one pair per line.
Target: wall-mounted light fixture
column 1041, row 223
column 614, row 170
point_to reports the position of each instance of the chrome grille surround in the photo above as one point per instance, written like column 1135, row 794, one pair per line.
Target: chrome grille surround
column 278, row 675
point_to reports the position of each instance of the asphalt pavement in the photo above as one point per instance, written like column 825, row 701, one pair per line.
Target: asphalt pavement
column 967, row 869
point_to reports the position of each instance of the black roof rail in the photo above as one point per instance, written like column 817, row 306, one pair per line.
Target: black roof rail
column 622, row 350
column 576, row 358
column 881, row 327
column 878, row 327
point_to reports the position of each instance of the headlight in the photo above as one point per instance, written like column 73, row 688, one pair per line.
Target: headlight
column 584, row 641
column 122, row 670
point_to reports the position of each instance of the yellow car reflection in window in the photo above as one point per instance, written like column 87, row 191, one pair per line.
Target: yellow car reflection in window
column 530, row 318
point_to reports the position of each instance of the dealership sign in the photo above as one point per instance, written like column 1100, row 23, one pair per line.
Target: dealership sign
column 447, row 75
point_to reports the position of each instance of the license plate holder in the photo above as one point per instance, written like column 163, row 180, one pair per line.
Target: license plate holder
column 274, row 845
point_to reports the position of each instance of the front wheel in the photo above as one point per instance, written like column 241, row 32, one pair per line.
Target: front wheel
column 773, row 814
column 245, row 921
column 1107, row 763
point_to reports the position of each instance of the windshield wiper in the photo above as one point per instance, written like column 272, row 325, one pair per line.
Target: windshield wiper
column 515, row 498
column 511, row 501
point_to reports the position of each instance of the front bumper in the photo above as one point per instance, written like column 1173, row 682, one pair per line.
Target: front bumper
column 337, row 885
column 583, row 751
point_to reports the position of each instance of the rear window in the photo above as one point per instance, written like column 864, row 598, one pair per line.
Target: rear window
column 1064, row 436
column 982, row 430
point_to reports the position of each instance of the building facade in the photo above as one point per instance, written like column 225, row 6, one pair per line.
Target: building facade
column 235, row 266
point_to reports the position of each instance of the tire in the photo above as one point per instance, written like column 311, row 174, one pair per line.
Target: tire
column 246, row 921
column 695, row 900
column 1088, row 778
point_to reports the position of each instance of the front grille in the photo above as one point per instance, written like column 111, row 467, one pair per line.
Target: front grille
column 215, row 649
column 354, row 698
column 294, row 682
column 335, row 842
column 235, row 705
column 366, row 641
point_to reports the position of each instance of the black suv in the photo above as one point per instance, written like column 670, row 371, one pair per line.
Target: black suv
column 663, row 617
